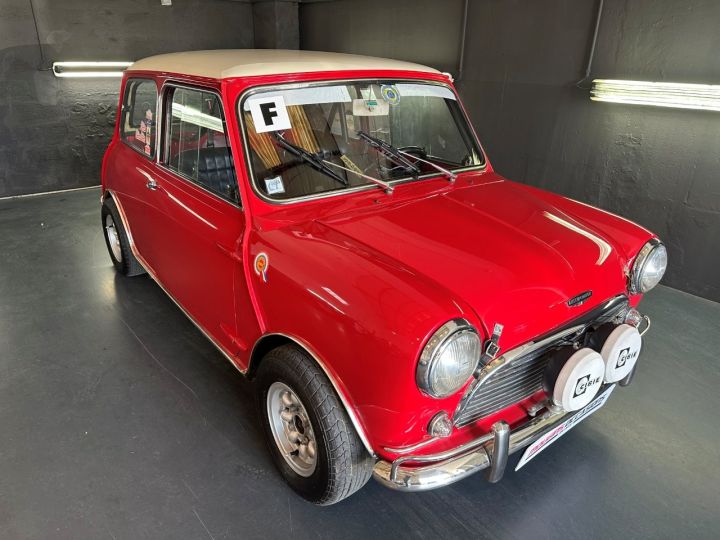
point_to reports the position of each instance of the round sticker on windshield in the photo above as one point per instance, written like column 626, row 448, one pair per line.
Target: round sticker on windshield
column 390, row 94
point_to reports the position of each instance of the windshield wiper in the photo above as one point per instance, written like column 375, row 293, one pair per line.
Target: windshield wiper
column 451, row 175
column 385, row 185
column 311, row 159
column 389, row 151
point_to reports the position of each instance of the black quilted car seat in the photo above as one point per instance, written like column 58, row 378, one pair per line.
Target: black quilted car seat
column 216, row 171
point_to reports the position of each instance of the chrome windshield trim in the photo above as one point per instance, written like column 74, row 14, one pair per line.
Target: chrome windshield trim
column 339, row 192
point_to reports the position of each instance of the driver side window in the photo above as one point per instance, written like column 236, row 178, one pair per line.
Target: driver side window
column 197, row 146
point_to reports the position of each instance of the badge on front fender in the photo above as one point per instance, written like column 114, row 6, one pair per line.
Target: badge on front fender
column 261, row 265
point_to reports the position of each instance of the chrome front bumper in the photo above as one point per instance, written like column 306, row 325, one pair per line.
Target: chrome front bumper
column 489, row 452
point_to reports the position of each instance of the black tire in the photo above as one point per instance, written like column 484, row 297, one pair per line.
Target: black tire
column 127, row 264
column 343, row 464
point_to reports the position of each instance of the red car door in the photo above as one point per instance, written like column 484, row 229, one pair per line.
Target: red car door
column 197, row 247
column 132, row 165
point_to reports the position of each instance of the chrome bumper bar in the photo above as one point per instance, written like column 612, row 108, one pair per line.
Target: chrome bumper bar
column 489, row 452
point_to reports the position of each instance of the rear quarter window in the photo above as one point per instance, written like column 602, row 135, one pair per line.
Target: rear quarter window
column 137, row 125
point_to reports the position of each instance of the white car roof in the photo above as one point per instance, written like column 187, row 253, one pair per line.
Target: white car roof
column 223, row 64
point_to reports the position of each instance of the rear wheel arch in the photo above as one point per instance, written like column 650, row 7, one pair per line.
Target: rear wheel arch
column 118, row 240
column 269, row 342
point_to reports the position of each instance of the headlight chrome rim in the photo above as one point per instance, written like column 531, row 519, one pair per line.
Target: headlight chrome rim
column 638, row 268
column 433, row 350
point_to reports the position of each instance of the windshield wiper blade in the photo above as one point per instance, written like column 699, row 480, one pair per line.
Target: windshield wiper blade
column 385, row 185
column 311, row 159
column 451, row 175
column 390, row 152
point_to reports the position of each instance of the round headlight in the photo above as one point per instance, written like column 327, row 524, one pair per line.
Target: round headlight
column 448, row 359
column 649, row 267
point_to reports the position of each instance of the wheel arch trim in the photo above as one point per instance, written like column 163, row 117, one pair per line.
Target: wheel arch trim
column 354, row 419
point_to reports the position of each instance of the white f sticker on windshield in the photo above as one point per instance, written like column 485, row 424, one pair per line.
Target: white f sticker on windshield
column 269, row 114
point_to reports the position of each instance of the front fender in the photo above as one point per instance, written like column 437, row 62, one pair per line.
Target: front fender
column 363, row 316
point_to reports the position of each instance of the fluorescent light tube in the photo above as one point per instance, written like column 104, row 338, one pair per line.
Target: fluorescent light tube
column 192, row 115
column 89, row 69
column 659, row 94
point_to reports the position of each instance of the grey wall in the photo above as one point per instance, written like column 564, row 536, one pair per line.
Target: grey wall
column 53, row 132
column 658, row 167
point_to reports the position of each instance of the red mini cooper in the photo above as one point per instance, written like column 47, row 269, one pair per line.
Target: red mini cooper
column 331, row 223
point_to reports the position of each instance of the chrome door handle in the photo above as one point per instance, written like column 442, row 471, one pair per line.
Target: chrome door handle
column 151, row 182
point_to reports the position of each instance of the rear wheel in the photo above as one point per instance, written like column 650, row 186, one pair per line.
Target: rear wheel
column 310, row 436
column 117, row 242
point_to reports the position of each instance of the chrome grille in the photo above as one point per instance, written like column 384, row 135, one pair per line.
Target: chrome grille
column 518, row 376
column 517, row 381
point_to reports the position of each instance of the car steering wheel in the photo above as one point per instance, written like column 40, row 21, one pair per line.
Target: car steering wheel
column 412, row 149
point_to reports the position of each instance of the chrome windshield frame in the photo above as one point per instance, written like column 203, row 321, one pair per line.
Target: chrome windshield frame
column 346, row 191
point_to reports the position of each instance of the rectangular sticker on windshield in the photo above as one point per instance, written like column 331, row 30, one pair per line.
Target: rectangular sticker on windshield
column 274, row 185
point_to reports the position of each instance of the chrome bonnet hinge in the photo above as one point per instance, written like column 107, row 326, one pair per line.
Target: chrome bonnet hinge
column 491, row 349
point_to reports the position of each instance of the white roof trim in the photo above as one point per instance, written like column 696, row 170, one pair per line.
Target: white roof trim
column 224, row 64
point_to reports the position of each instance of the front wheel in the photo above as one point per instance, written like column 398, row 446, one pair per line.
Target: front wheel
column 310, row 436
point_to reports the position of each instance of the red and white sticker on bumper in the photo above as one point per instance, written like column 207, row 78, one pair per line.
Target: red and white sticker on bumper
column 558, row 431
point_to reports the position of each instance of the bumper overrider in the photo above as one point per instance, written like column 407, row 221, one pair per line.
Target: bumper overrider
column 490, row 452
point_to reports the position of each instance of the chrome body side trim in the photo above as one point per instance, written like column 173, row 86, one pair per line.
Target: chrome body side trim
column 346, row 404
column 488, row 451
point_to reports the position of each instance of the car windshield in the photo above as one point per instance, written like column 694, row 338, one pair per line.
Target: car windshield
column 333, row 137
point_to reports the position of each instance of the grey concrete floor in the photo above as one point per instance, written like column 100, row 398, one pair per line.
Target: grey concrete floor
column 119, row 420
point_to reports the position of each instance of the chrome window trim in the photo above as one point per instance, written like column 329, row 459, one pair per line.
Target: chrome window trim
column 120, row 131
column 161, row 160
column 335, row 193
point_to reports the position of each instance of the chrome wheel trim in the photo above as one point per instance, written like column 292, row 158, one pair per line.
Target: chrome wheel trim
column 291, row 429
column 113, row 238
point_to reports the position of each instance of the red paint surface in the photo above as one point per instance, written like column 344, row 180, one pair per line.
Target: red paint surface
column 362, row 280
